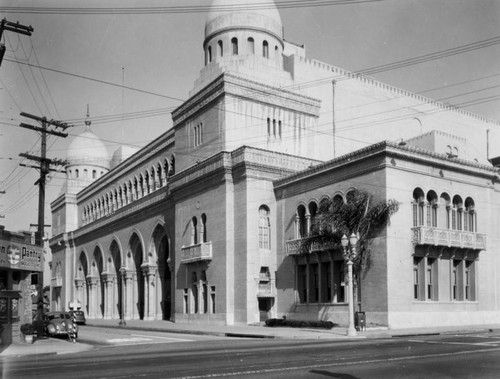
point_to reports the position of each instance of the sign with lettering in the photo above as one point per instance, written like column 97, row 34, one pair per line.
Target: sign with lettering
column 21, row 257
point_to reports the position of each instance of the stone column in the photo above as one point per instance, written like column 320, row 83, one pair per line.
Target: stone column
column 79, row 291
column 150, row 290
column 92, row 283
column 109, row 301
column 127, row 302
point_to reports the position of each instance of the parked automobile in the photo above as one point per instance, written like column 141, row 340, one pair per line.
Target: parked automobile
column 78, row 317
column 61, row 324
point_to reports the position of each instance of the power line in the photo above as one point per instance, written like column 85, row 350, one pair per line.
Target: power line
column 264, row 5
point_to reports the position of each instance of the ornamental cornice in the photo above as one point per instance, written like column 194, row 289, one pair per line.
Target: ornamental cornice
column 392, row 149
column 251, row 90
column 125, row 168
column 199, row 101
column 126, row 211
column 200, row 170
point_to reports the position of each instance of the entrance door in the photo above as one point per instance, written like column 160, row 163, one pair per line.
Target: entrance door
column 265, row 305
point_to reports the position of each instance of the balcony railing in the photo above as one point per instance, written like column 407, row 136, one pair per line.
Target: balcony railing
column 424, row 235
column 56, row 282
column 293, row 247
column 196, row 253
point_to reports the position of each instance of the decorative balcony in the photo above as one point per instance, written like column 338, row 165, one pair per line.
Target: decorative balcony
column 56, row 282
column 424, row 235
column 266, row 290
column 292, row 247
column 196, row 253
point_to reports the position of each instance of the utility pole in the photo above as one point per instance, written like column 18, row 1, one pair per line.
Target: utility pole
column 12, row 27
column 44, row 165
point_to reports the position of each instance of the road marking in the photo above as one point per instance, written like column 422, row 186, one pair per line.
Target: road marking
column 488, row 343
column 334, row 364
column 164, row 338
column 120, row 340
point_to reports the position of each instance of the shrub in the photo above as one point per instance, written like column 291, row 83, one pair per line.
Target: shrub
column 273, row 322
column 28, row 329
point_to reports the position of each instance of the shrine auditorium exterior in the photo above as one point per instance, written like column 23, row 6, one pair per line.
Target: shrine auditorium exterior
column 203, row 224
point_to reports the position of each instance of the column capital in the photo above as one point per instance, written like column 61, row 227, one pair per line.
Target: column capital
column 108, row 277
column 149, row 269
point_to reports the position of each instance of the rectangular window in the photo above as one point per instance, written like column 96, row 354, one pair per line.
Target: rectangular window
column 431, row 279
column 418, row 278
column 434, row 212
column 186, row 301
column 415, row 214
column 456, row 280
column 421, row 214
column 212, row 298
column 302, row 283
column 470, row 280
column 326, row 285
column 428, row 210
column 314, row 283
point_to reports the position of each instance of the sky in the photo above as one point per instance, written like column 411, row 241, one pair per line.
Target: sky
column 133, row 69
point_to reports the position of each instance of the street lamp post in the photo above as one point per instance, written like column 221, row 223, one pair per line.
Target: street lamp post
column 349, row 246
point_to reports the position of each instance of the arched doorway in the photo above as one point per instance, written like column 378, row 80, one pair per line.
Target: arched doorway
column 96, row 288
column 160, row 246
column 115, row 264
column 81, row 283
column 137, row 255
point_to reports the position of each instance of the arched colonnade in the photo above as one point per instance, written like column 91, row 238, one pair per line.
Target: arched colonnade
column 130, row 280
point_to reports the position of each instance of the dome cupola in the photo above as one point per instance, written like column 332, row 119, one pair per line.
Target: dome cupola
column 88, row 159
column 243, row 28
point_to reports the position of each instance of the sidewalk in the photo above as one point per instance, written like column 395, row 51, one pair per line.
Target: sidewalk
column 62, row 346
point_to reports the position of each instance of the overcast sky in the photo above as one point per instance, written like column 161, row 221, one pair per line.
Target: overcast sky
column 157, row 57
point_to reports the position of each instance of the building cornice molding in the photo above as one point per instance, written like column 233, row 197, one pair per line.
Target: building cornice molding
column 422, row 100
column 392, row 149
column 250, row 90
column 129, row 166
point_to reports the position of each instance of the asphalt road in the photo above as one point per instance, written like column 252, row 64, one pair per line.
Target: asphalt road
column 120, row 355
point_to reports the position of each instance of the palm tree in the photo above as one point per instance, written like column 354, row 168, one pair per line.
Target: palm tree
column 360, row 214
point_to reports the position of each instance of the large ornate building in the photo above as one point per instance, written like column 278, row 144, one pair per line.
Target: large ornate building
column 204, row 223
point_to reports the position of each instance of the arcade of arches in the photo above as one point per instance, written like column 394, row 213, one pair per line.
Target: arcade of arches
column 130, row 284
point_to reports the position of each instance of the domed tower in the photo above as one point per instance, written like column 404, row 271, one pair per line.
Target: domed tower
column 88, row 160
column 237, row 29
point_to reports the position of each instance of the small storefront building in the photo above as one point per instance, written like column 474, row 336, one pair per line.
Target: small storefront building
column 21, row 262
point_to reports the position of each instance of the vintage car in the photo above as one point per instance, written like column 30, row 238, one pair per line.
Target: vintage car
column 78, row 317
column 60, row 324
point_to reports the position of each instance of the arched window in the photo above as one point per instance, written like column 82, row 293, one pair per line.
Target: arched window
column 418, row 207
column 264, row 228
column 313, row 210
column 470, row 216
column 431, row 209
column 203, row 229
column 234, row 44
column 209, row 50
column 265, row 49
column 301, row 224
column 76, row 173
column 194, row 231
column 457, row 213
column 172, row 166
column 94, row 174
column 220, row 48
column 250, row 46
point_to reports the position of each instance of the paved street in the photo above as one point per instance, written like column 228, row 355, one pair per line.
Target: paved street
column 132, row 354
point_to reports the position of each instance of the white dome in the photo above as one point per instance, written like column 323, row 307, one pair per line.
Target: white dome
column 248, row 14
column 87, row 149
